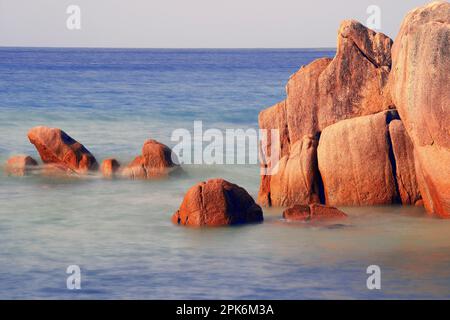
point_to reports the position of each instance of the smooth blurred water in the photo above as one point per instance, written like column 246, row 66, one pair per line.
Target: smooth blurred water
column 119, row 231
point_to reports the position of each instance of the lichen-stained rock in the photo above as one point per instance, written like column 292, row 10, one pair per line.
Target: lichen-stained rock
column 155, row 162
column 297, row 178
column 403, row 152
column 420, row 88
column 109, row 167
column 217, row 202
column 313, row 212
column 57, row 147
column 354, row 161
column 352, row 84
column 20, row 165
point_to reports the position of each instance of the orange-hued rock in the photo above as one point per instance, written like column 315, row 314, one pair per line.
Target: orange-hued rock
column 420, row 89
column 109, row 167
column 155, row 161
column 297, row 212
column 217, row 202
column 405, row 171
column 275, row 118
column 57, row 147
column 297, row 178
column 354, row 161
column 313, row 212
column 20, row 165
column 432, row 170
column 352, row 84
column 322, row 212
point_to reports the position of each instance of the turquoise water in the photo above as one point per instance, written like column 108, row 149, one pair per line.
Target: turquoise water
column 119, row 231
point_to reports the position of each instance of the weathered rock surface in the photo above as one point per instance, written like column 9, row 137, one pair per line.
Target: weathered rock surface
column 217, row 202
column 155, row 161
column 326, row 91
column 354, row 161
column 57, row 147
column 297, row 177
column 20, row 165
column 312, row 212
column 403, row 152
column 420, row 88
column 109, row 167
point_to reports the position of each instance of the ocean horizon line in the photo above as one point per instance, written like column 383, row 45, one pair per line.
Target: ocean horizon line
column 169, row 48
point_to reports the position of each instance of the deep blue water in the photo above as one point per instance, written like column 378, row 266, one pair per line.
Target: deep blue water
column 172, row 84
column 119, row 231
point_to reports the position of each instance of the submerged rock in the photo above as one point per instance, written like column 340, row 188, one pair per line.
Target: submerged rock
column 312, row 212
column 217, row 202
column 420, row 88
column 155, row 161
column 57, row 147
column 20, row 165
column 109, row 167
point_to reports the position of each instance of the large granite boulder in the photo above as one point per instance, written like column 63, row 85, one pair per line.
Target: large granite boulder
column 354, row 161
column 352, row 84
column 420, row 89
column 57, row 148
column 217, row 202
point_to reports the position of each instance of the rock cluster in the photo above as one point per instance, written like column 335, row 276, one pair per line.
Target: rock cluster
column 370, row 126
column 63, row 155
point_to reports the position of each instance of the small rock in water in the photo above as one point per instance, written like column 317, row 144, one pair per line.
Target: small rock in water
column 313, row 212
column 20, row 165
column 155, row 162
column 109, row 167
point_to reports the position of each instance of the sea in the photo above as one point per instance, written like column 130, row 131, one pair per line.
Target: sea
column 118, row 232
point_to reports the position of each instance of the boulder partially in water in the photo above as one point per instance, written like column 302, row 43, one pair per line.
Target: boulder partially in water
column 109, row 167
column 312, row 212
column 420, row 89
column 58, row 148
column 155, row 162
column 297, row 178
column 217, row 202
column 20, row 165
